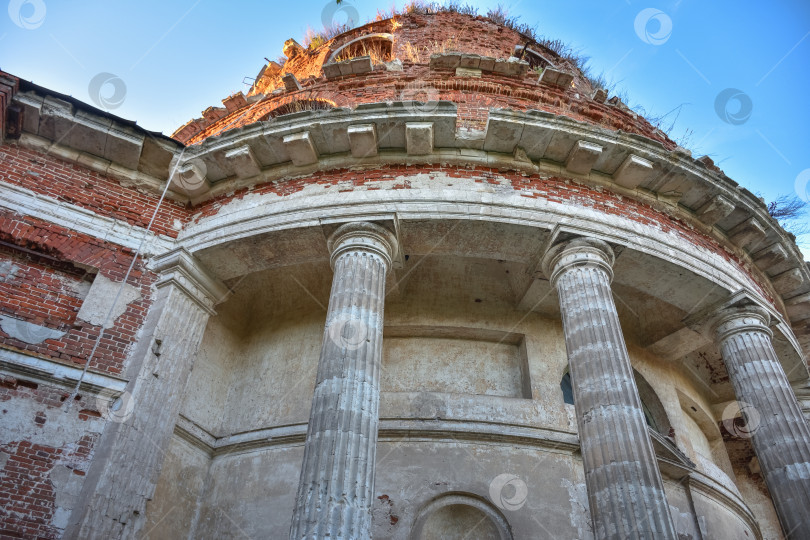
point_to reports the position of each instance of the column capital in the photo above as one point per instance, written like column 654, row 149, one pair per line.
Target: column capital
column 180, row 268
column 363, row 236
column 578, row 252
column 747, row 318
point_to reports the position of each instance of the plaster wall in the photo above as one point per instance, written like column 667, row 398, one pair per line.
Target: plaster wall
column 717, row 522
column 441, row 321
column 427, row 364
column 209, row 385
column 251, row 494
column 172, row 512
column 759, row 501
column 45, row 452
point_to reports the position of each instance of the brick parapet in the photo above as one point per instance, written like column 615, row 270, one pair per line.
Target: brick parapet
column 417, row 81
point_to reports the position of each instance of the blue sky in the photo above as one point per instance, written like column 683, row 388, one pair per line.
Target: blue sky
column 177, row 58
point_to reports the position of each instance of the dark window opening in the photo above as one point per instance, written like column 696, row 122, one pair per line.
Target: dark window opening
column 567, row 389
column 654, row 413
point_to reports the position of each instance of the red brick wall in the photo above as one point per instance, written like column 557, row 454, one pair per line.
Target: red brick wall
column 27, row 491
column 39, row 290
column 70, row 183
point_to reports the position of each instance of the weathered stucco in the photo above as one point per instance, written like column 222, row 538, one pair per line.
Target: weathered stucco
column 257, row 378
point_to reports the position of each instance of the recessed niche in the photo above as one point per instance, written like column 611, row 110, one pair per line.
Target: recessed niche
column 455, row 360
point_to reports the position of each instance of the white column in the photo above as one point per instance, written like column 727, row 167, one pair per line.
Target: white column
column 337, row 476
column 780, row 433
column 625, row 490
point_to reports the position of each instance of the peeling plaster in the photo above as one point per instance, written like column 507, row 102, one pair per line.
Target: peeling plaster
column 101, row 297
column 580, row 515
column 60, row 429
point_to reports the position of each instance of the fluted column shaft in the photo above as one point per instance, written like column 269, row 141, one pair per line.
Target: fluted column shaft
column 780, row 433
column 625, row 490
column 337, row 476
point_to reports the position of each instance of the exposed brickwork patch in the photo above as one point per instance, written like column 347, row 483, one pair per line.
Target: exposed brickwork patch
column 40, row 292
column 27, row 489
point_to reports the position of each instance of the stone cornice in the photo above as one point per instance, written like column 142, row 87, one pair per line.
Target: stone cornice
column 45, row 371
column 180, row 269
column 126, row 175
column 532, row 142
column 79, row 219
column 391, row 429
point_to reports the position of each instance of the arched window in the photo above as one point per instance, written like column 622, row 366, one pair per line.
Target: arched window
column 380, row 47
column 298, row 106
column 567, row 389
column 654, row 412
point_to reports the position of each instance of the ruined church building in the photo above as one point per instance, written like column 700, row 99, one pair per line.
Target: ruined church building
column 422, row 281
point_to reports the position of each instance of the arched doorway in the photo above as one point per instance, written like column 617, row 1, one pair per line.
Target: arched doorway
column 457, row 516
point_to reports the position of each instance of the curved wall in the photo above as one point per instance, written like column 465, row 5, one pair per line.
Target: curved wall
column 477, row 174
column 449, row 424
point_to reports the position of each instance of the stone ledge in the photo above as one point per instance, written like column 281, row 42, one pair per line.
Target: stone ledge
column 71, row 124
column 556, row 77
column 390, row 429
column 126, row 176
column 353, row 66
column 510, row 67
column 65, row 376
